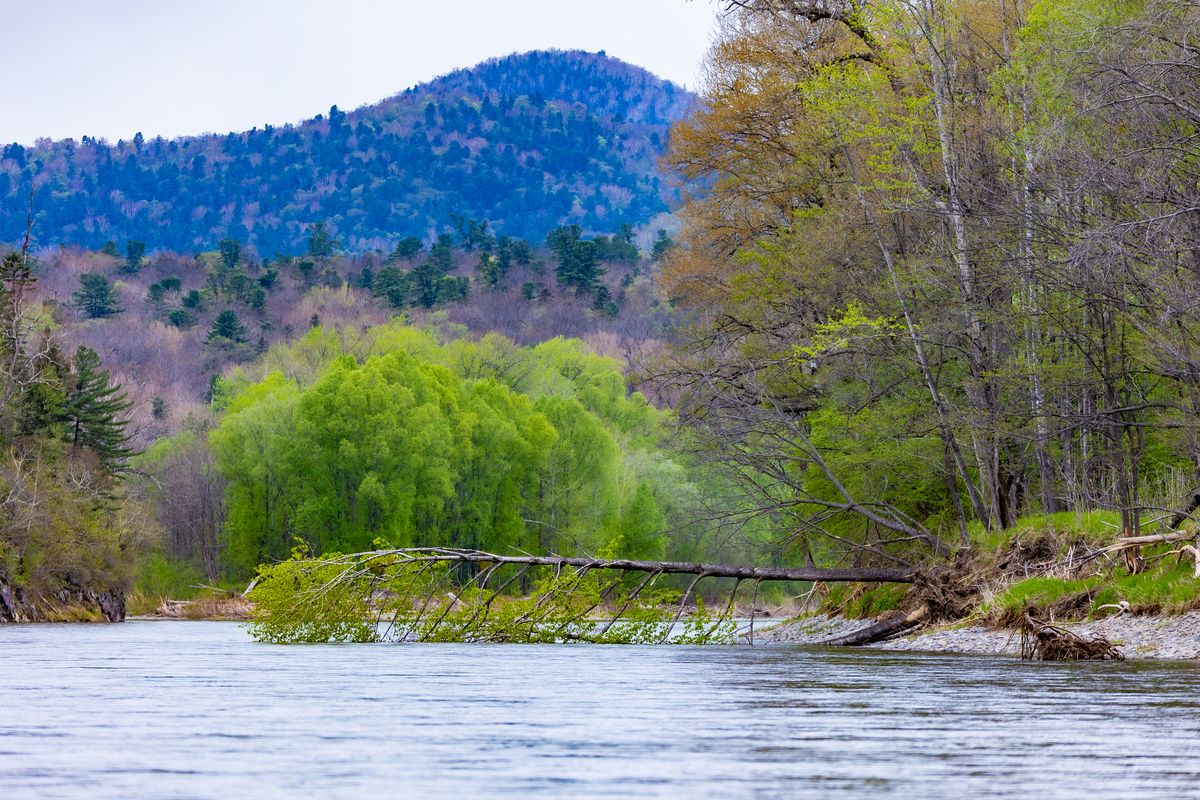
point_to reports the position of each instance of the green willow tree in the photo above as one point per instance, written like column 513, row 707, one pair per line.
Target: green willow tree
column 345, row 439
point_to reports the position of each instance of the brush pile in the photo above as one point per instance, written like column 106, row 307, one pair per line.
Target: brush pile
column 1041, row 641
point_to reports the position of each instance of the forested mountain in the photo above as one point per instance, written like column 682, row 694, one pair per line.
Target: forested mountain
column 529, row 142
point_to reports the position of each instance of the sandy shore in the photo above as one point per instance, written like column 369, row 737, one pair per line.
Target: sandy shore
column 1138, row 637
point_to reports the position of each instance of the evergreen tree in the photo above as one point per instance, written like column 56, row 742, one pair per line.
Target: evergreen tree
column 227, row 326
column 393, row 285
column 231, row 252
column 578, row 259
column 134, row 252
column 441, row 255
column 93, row 412
column 661, row 245
column 180, row 318
column 321, row 243
column 110, row 249
column 96, row 296
column 193, row 300
column 408, row 247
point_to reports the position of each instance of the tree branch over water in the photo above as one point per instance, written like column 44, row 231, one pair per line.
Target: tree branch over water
column 400, row 595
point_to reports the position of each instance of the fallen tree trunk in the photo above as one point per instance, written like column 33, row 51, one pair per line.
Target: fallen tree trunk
column 422, row 594
column 824, row 574
column 884, row 629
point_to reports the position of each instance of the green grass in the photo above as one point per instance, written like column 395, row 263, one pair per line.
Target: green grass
column 1093, row 526
column 855, row 601
column 1168, row 586
column 1038, row 593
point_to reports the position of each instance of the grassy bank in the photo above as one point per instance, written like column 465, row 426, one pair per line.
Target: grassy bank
column 1047, row 566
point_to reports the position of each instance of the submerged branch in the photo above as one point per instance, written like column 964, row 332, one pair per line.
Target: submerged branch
column 420, row 594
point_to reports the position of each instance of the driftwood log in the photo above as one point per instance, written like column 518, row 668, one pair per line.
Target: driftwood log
column 886, row 628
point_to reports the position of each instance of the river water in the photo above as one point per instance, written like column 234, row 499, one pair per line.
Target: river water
column 199, row 710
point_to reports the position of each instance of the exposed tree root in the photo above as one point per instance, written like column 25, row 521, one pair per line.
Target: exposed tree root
column 1041, row 641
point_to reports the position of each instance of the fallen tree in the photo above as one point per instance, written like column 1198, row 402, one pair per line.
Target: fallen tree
column 449, row 594
column 890, row 626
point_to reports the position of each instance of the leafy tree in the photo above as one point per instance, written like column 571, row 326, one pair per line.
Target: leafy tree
column 227, row 326
column 643, row 526
column 94, row 411
column 110, row 249
column 96, row 297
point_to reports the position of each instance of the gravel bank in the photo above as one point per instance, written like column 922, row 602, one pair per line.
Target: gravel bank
column 1138, row 637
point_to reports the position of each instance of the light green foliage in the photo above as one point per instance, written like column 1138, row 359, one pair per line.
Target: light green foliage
column 160, row 577
column 391, row 435
column 250, row 445
column 873, row 456
column 861, row 601
column 387, row 596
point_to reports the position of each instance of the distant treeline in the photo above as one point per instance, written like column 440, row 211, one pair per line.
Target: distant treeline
column 531, row 142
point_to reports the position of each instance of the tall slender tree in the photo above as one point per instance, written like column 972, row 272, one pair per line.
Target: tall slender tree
column 95, row 411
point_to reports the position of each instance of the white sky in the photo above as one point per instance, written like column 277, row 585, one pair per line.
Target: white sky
column 175, row 67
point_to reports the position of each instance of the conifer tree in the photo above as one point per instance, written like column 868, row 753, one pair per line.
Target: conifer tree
column 94, row 412
column 227, row 326
column 96, row 296
column 134, row 251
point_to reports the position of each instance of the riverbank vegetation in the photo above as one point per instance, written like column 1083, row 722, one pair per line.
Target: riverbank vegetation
column 67, row 528
column 943, row 262
column 931, row 310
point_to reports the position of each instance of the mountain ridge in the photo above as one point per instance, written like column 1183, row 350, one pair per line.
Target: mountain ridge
column 528, row 141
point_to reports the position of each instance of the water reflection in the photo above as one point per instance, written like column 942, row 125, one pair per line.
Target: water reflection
column 165, row 710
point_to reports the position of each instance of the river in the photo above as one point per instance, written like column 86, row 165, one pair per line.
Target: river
column 198, row 710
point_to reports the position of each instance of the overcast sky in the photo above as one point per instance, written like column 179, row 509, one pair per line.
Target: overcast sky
column 175, row 67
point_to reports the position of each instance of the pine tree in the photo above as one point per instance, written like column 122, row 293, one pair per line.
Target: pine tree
column 96, row 296
column 227, row 326
column 231, row 252
column 93, row 412
column 134, row 251
column 578, row 259
column 321, row 243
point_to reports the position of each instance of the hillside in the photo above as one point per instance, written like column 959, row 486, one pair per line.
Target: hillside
column 528, row 142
